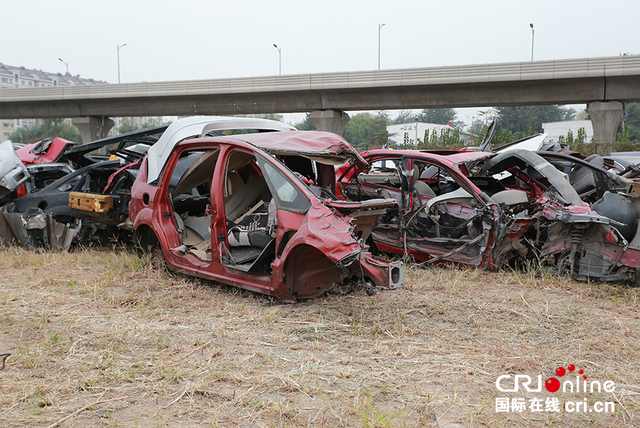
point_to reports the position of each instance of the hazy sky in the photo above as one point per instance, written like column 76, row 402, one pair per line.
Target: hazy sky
column 197, row 39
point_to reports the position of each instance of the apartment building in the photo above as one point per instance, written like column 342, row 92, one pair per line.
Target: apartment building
column 21, row 77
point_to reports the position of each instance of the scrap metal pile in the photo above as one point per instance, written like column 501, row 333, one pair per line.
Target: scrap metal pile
column 250, row 201
column 43, row 184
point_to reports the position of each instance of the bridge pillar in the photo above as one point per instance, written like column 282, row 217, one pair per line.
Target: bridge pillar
column 605, row 117
column 92, row 128
column 329, row 120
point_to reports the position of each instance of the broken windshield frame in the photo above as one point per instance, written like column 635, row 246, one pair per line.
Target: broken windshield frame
column 287, row 195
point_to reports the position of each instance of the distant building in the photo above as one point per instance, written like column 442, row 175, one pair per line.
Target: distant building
column 21, row 77
column 415, row 132
column 556, row 129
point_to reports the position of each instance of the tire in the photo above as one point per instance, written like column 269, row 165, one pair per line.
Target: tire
column 156, row 257
column 563, row 265
column 150, row 246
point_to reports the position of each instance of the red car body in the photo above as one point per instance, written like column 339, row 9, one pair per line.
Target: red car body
column 48, row 150
column 307, row 245
column 485, row 210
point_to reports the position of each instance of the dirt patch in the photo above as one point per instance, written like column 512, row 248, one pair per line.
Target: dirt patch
column 151, row 349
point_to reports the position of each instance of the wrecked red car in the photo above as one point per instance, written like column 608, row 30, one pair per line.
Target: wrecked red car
column 486, row 210
column 48, row 150
column 255, row 210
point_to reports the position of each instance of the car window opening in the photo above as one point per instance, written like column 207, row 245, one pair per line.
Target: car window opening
column 383, row 173
column 250, row 210
column 430, row 180
column 450, row 212
column 190, row 196
column 318, row 174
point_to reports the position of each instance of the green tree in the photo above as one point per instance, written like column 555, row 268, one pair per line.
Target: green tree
column 405, row 116
column 366, row 131
column 271, row 116
column 150, row 123
column 476, row 126
column 517, row 119
column 126, row 126
column 306, row 124
column 49, row 128
column 445, row 139
column 440, row 116
column 630, row 123
column 502, row 136
column 26, row 135
column 582, row 136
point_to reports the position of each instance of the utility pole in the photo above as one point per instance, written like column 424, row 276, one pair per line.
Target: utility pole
column 279, row 59
column 531, row 25
column 66, row 64
column 379, row 27
column 119, row 46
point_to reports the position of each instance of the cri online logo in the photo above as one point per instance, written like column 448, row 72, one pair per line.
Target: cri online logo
column 553, row 384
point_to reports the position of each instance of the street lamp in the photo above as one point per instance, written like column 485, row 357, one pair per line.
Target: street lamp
column 65, row 63
column 379, row 27
column 531, row 25
column 279, row 59
column 119, row 46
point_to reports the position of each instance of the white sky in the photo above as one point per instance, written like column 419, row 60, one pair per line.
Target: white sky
column 199, row 39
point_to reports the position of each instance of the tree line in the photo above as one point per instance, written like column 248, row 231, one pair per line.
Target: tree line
column 367, row 131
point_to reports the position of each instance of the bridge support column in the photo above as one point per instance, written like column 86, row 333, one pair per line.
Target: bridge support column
column 605, row 117
column 330, row 120
column 92, row 128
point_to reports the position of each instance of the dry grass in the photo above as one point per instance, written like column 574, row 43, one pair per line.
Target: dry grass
column 149, row 349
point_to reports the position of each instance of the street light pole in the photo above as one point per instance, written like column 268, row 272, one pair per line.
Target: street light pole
column 119, row 46
column 379, row 27
column 279, row 59
column 531, row 25
column 65, row 63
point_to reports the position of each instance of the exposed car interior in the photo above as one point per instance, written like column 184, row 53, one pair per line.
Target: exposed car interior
column 441, row 208
column 251, row 244
column 250, row 222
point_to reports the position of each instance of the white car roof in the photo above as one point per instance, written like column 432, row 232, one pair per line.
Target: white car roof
column 197, row 126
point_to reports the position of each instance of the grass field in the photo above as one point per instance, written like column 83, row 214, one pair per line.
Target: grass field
column 99, row 339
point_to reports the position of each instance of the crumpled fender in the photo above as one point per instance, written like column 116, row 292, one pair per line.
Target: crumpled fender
column 323, row 230
column 334, row 237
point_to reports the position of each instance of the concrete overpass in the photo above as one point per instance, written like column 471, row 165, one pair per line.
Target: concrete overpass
column 604, row 84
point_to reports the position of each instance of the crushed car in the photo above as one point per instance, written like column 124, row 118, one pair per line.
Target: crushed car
column 487, row 210
column 48, row 150
column 255, row 210
column 128, row 147
column 55, row 199
column 90, row 204
column 622, row 162
column 609, row 191
column 32, row 228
